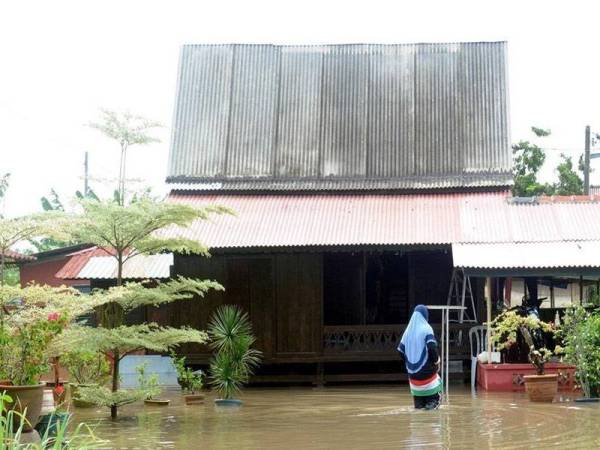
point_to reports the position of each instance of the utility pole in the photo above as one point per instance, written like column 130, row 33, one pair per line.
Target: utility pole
column 85, row 176
column 586, row 167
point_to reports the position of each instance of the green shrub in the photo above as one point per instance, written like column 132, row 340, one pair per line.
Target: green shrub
column 581, row 336
column 235, row 360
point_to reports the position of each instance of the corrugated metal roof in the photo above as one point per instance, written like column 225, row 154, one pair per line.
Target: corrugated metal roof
column 530, row 255
column 77, row 261
column 333, row 220
column 138, row 267
column 315, row 114
column 388, row 219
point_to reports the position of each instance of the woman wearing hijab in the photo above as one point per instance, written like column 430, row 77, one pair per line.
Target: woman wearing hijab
column 419, row 350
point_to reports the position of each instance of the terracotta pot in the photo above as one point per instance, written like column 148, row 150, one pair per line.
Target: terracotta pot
column 29, row 397
column 193, row 399
column 541, row 388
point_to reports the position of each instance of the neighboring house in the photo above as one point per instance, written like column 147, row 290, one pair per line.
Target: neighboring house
column 352, row 170
column 46, row 266
column 86, row 267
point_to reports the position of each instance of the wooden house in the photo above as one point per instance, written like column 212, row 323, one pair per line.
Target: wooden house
column 352, row 170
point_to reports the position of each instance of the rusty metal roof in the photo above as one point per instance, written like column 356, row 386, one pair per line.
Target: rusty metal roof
column 308, row 220
column 342, row 116
column 138, row 267
column 527, row 255
column 333, row 219
column 13, row 256
column 77, row 261
column 97, row 263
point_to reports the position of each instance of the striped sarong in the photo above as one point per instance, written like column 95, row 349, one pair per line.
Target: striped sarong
column 423, row 388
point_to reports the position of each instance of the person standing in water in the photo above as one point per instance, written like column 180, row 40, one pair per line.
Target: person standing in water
column 419, row 349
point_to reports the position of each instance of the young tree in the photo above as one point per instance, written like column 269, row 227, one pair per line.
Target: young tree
column 125, row 232
column 528, row 159
column 569, row 181
column 127, row 129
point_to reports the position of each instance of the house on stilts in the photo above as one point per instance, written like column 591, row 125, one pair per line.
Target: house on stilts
column 352, row 170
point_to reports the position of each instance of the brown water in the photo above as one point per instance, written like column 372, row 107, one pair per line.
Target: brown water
column 357, row 417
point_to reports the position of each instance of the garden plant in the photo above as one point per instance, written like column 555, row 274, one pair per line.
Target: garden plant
column 124, row 232
column 580, row 332
column 234, row 359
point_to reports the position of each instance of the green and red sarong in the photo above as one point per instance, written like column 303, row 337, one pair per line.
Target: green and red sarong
column 424, row 388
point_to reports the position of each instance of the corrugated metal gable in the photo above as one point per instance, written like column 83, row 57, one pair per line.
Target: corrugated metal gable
column 201, row 119
column 252, row 119
column 344, row 120
column 391, row 123
column 314, row 114
column 299, row 112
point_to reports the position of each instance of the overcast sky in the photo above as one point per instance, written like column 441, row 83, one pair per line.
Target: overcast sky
column 60, row 61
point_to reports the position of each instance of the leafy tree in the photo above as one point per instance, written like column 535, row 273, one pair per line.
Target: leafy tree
column 127, row 129
column 124, row 232
column 23, row 229
column 569, row 181
column 4, row 184
column 528, row 159
column 54, row 203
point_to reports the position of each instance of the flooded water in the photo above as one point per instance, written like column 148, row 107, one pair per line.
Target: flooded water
column 356, row 417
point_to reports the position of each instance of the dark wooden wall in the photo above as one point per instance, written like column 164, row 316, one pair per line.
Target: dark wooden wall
column 281, row 293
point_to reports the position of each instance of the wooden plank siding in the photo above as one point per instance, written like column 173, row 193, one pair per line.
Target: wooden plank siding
column 299, row 304
column 285, row 298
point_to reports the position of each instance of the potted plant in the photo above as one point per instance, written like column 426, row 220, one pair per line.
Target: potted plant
column 150, row 386
column 28, row 325
column 189, row 381
column 580, row 332
column 541, row 387
column 86, row 369
column 234, row 360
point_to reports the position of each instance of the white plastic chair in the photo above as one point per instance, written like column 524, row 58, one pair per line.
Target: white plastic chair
column 478, row 341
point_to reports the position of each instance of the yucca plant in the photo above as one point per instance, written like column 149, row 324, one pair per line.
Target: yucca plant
column 234, row 360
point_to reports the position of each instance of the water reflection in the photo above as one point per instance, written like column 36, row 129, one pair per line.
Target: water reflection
column 356, row 417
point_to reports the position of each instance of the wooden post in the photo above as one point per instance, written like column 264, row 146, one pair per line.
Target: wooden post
column 586, row 163
column 581, row 289
column 488, row 303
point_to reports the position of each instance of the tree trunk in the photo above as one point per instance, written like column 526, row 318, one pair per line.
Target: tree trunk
column 2, row 262
column 115, row 382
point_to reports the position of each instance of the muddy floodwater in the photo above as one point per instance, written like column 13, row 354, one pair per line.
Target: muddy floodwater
column 356, row 417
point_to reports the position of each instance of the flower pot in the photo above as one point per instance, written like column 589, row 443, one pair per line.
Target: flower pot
column 74, row 388
column 228, row 402
column 29, row 397
column 156, row 402
column 49, row 423
column 541, row 388
column 193, row 399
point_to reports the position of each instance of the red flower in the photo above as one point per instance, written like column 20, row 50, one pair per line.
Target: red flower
column 58, row 390
column 53, row 317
